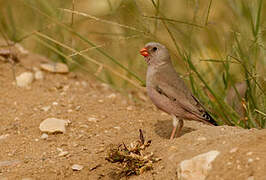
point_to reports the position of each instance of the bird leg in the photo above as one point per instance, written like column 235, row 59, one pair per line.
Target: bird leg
column 180, row 124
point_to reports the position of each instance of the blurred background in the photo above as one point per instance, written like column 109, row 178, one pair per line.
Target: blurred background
column 218, row 47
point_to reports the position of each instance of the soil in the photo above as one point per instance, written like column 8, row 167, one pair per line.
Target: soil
column 99, row 117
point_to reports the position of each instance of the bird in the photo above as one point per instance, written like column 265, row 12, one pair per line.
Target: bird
column 168, row 91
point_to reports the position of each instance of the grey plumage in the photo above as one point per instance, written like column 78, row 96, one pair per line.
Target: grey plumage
column 168, row 91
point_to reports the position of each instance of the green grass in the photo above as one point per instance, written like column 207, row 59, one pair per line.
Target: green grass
column 214, row 44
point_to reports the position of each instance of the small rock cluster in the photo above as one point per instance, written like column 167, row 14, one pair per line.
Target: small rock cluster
column 26, row 78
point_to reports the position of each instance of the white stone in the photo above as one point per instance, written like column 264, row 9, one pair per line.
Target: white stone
column 202, row 139
column 38, row 75
column 63, row 153
column 44, row 136
column 92, row 119
column 9, row 163
column 55, row 67
column 84, row 83
column 4, row 136
column 77, row 167
column 46, row 108
column 111, row 96
column 21, row 49
column 24, row 79
column 53, row 125
column 250, row 160
column 130, row 108
column 117, row 127
column 55, row 103
column 233, row 150
column 249, row 153
column 198, row 167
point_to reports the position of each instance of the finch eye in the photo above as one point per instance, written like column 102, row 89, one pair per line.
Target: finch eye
column 154, row 49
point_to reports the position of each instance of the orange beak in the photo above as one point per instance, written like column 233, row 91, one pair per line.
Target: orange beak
column 144, row 52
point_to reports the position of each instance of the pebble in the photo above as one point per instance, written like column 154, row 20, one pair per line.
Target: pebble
column 130, row 108
column 250, row 160
column 4, row 136
column 55, row 103
column 202, row 139
column 164, row 114
column 249, row 153
column 38, row 75
column 84, row 126
column 24, row 79
column 84, row 83
column 70, row 110
column 55, row 67
column 9, row 163
column 92, row 119
column 53, row 125
column 77, row 167
column 117, row 127
column 111, row 96
column 46, row 108
column 233, row 150
column 63, row 153
column 21, row 49
column 78, row 108
column 44, row 136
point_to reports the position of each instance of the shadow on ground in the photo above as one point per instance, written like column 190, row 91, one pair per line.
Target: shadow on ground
column 164, row 128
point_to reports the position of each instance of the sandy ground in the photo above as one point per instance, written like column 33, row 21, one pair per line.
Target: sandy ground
column 100, row 116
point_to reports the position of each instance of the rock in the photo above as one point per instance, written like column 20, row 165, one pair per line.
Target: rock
column 55, row 67
column 44, row 136
column 21, row 50
column 4, row 136
column 55, row 103
column 198, row 167
column 53, row 125
column 92, row 119
column 111, row 96
column 250, row 160
column 46, row 108
column 77, row 167
column 9, row 163
column 233, row 150
column 117, row 127
column 63, row 153
column 130, row 108
column 38, row 75
column 24, row 79
column 249, row 153
column 202, row 139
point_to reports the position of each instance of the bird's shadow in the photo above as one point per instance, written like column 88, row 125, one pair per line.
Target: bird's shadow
column 164, row 128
